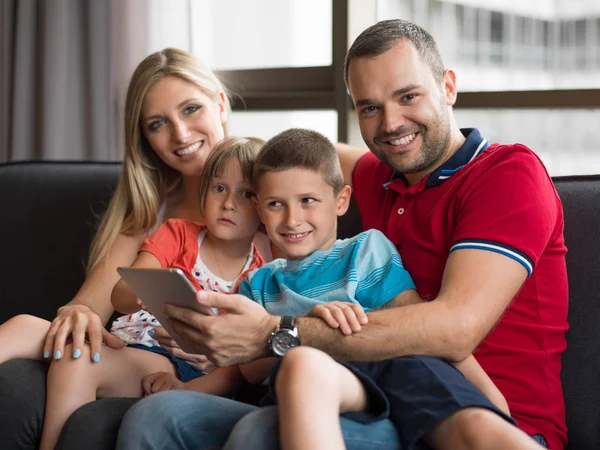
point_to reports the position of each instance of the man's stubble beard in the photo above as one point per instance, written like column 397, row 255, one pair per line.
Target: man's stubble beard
column 433, row 147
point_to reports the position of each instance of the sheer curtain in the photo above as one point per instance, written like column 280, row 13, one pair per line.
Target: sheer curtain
column 55, row 82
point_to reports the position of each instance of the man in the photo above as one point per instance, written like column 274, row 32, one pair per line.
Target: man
column 479, row 227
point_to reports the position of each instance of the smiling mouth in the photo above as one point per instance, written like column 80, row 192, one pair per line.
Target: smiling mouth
column 190, row 149
column 295, row 236
column 404, row 140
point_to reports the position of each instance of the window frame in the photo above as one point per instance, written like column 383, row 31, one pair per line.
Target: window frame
column 301, row 88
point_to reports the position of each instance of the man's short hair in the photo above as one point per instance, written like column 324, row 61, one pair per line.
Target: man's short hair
column 382, row 36
column 298, row 148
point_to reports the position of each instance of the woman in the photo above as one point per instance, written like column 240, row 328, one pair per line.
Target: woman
column 176, row 111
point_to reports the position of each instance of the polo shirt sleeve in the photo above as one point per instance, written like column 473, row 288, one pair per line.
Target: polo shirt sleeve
column 166, row 242
column 511, row 208
column 379, row 270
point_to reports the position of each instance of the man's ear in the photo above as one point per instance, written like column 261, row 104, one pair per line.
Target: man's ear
column 343, row 200
column 449, row 86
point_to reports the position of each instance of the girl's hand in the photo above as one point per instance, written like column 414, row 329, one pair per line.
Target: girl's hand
column 141, row 305
column 76, row 321
column 348, row 317
column 199, row 361
column 160, row 381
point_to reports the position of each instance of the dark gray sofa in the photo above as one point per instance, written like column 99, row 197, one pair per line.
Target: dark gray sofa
column 49, row 211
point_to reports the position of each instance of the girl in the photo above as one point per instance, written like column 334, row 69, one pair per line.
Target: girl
column 215, row 255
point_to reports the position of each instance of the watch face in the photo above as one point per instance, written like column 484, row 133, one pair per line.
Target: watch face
column 283, row 341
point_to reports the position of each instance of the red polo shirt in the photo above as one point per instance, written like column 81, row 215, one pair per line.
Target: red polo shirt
column 495, row 198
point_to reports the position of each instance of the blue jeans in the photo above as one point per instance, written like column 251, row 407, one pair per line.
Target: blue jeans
column 191, row 420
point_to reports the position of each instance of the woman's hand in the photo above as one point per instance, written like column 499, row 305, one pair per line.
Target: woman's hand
column 199, row 361
column 76, row 321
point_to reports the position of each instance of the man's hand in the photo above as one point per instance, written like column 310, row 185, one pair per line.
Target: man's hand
column 161, row 381
column 236, row 337
column 78, row 321
column 348, row 317
column 199, row 361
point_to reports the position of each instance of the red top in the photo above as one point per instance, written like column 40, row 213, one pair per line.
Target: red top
column 175, row 245
column 494, row 198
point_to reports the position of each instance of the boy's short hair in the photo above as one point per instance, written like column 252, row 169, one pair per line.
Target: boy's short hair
column 299, row 148
column 243, row 150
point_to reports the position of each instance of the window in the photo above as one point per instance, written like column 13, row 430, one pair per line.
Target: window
column 265, row 124
column 241, row 34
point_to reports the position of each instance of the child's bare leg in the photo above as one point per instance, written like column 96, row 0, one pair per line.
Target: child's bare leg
column 23, row 336
column 478, row 428
column 74, row 382
column 312, row 391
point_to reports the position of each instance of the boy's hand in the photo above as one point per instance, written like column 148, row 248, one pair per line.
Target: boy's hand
column 160, row 381
column 348, row 317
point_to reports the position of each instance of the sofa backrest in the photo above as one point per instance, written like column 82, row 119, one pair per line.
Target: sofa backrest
column 49, row 211
column 581, row 362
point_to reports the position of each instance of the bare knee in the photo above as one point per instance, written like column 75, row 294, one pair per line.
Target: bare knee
column 474, row 426
column 27, row 322
column 304, row 366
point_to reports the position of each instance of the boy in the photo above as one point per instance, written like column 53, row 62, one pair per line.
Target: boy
column 299, row 195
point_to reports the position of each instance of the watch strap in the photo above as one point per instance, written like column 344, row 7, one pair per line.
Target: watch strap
column 287, row 323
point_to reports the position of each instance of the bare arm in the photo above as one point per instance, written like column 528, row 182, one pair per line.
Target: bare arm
column 96, row 290
column 123, row 298
column 223, row 381
column 257, row 371
column 348, row 156
column 476, row 289
column 471, row 369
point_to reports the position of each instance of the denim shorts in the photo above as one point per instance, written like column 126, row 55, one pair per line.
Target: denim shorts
column 185, row 371
column 540, row 439
column 414, row 392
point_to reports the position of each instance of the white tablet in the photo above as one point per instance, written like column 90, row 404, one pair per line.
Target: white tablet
column 154, row 287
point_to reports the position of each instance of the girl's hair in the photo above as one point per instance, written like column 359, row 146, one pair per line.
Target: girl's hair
column 145, row 179
column 242, row 150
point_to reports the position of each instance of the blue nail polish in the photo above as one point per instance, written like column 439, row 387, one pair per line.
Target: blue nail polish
column 46, row 354
column 76, row 353
column 57, row 354
column 151, row 333
column 96, row 357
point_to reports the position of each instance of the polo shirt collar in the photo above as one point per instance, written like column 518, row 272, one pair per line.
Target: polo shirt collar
column 474, row 144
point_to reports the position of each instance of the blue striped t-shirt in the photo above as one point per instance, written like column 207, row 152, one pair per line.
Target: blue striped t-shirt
column 365, row 269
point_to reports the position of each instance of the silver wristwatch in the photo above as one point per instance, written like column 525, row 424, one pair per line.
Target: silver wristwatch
column 284, row 337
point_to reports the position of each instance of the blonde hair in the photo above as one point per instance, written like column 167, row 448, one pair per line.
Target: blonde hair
column 145, row 179
column 242, row 150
